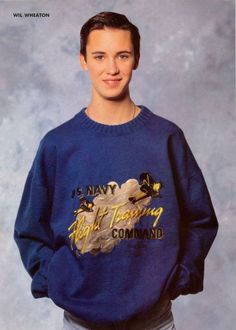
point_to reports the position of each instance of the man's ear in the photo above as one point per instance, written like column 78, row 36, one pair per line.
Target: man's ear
column 83, row 62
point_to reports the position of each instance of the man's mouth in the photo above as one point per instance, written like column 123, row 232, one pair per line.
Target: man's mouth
column 112, row 82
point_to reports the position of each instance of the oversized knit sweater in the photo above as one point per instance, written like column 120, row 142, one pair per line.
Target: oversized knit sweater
column 114, row 216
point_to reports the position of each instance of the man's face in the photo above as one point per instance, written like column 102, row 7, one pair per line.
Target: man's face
column 110, row 61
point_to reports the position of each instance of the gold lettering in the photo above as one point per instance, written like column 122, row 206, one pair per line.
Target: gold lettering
column 134, row 213
column 116, row 214
column 81, row 230
column 100, row 189
column 99, row 217
column 112, row 186
column 104, row 189
column 157, row 213
column 90, row 190
column 97, row 190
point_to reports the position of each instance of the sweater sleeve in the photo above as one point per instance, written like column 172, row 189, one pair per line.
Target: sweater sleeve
column 32, row 232
column 198, row 226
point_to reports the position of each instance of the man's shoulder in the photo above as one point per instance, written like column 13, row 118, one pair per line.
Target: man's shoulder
column 164, row 125
column 60, row 133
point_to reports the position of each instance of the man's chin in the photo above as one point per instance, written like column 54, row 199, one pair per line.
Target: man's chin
column 117, row 97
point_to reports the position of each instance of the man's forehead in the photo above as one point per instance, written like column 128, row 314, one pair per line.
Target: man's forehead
column 108, row 38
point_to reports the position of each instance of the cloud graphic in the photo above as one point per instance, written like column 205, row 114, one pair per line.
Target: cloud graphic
column 120, row 213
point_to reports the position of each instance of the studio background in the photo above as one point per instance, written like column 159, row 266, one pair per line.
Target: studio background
column 186, row 74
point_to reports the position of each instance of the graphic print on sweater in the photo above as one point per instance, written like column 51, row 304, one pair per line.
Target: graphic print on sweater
column 100, row 224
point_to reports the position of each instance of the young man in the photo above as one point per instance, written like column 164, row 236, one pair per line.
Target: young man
column 115, row 219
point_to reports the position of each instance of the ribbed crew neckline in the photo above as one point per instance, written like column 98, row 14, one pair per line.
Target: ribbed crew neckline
column 119, row 129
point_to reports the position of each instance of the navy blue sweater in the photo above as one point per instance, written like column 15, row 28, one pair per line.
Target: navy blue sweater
column 114, row 216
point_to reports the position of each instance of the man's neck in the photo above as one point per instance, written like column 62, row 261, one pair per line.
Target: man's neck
column 110, row 112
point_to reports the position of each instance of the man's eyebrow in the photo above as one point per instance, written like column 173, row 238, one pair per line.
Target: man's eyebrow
column 120, row 52
column 97, row 52
column 125, row 51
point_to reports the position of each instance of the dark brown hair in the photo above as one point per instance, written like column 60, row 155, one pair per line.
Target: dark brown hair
column 112, row 20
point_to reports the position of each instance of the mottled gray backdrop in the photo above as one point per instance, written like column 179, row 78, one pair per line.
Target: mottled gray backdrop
column 186, row 74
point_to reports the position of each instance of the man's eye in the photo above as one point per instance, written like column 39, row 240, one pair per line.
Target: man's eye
column 99, row 57
column 124, row 56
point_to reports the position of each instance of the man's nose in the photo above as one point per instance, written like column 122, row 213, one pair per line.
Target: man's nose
column 112, row 67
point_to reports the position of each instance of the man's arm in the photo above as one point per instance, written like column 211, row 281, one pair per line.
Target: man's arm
column 32, row 231
column 198, row 226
